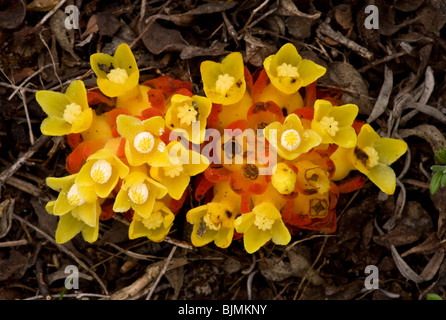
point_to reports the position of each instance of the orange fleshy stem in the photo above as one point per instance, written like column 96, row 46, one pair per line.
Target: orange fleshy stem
column 107, row 210
column 73, row 140
column 310, row 95
column 95, row 97
column 156, row 99
column 203, row 185
column 176, row 205
column 167, row 84
column 259, row 84
column 351, row 184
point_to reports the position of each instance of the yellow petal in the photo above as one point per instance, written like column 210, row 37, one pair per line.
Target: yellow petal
column 244, row 222
column 52, row 103
column 224, row 237
column 254, row 239
column 58, row 184
column 122, row 201
column 126, row 59
column 367, row 136
column 67, row 228
column 128, row 126
column 83, row 122
column 280, row 234
column 55, row 127
column 310, row 72
column 389, row 150
column 87, row 213
column 49, row 207
column 383, row 177
column 345, row 114
column 77, row 93
column 98, row 59
column 345, row 137
column 322, row 108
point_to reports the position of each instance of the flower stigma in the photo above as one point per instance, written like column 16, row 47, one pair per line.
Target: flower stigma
column 144, row 142
column 101, row 171
column 262, row 222
column 72, row 112
column 290, row 139
column 154, row 221
column 287, row 70
column 118, row 76
column 330, row 125
column 138, row 193
column 224, row 83
column 373, row 156
column 187, row 114
column 73, row 196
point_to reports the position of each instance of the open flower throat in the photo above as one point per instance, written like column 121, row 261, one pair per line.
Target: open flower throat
column 159, row 144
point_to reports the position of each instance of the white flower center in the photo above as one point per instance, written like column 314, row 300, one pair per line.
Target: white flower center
column 72, row 112
column 373, row 156
column 101, row 171
column 330, row 125
column 262, row 222
column 154, row 221
column 144, row 142
column 73, row 196
column 138, row 193
column 211, row 225
column 187, row 114
column 118, row 76
column 287, row 70
column 224, row 83
column 290, row 139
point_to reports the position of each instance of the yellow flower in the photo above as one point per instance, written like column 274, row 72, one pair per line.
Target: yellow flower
column 67, row 113
column 101, row 172
column 311, row 178
column 143, row 143
column 186, row 112
column 224, row 83
column 262, row 224
column 288, row 72
column 290, row 138
column 372, row 156
column 283, row 178
column 334, row 124
column 117, row 74
column 156, row 226
column 138, row 192
column 214, row 221
column 183, row 165
column 78, row 209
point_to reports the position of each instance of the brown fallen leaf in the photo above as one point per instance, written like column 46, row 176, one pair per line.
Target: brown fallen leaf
column 12, row 13
column 13, row 267
column 41, row 5
column 159, row 39
column 217, row 48
column 106, row 24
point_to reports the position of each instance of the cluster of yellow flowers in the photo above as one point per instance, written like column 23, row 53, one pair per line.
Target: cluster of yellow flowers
column 136, row 147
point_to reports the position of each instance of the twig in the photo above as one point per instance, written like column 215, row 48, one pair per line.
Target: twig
column 11, row 86
column 382, row 60
column 249, row 284
column 64, row 250
column 50, row 13
column 52, row 58
column 41, row 279
column 21, row 86
column 28, row 154
column 14, row 243
column 25, row 186
column 163, row 271
column 325, row 29
column 384, row 95
column 28, row 120
column 73, row 295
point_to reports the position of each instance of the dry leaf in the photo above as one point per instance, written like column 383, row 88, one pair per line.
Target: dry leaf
column 12, row 13
column 41, row 5
column 159, row 39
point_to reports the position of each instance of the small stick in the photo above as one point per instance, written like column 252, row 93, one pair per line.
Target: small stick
column 20, row 88
column 28, row 120
column 325, row 29
column 28, row 154
column 14, row 243
column 163, row 271
column 41, row 279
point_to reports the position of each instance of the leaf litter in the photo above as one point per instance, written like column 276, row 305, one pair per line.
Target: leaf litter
column 394, row 74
